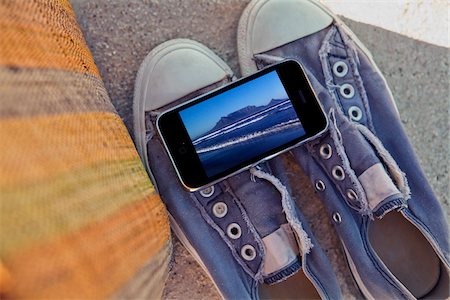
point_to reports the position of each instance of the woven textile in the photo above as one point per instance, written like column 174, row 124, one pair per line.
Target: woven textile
column 79, row 217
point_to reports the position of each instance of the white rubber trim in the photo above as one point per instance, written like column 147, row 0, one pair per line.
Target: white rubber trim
column 184, row 240
column 245, row 32
column 356, row 275
column 139, row 90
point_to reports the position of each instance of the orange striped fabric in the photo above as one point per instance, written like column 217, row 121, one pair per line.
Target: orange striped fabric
column 79, row 217
column 54, row 269
column 43, row 34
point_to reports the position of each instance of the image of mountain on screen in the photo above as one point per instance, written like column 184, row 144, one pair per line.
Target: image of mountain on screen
column 247, row 133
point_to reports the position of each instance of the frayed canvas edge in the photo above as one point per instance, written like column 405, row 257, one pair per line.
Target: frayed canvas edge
column 337, row 138
column 398, row 176
column 304, row 241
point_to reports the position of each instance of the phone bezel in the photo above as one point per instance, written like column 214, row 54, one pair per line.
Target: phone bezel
column 185, row 164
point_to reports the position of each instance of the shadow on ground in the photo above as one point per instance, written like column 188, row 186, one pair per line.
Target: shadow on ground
column 121, row 33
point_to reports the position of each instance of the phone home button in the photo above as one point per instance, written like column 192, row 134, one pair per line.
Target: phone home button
column 182, row 150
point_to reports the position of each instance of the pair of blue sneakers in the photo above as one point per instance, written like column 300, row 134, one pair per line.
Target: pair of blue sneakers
column 246, row 231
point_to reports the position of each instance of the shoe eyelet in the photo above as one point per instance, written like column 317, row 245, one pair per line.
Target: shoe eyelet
column 338, row 173
column 337, row 218
column 207, row 192
column 355, row 113
column 320, row 185
column 347, row 91
column 234, row 231
column 340, row 69
column 325, row 151
column 351, row 195
column 248, row 252
column 220, row 209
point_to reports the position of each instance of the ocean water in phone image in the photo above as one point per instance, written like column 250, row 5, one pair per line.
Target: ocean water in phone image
column 241, row 123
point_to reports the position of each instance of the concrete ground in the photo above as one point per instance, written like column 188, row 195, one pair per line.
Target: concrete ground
column 121, row 33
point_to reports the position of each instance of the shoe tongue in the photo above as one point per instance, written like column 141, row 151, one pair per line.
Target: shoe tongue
column 263, row 204
column 261, row 200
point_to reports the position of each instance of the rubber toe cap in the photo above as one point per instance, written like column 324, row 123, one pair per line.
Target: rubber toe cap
column 180, row 71
column 279, row 22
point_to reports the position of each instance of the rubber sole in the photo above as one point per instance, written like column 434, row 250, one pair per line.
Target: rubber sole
column 186, row 244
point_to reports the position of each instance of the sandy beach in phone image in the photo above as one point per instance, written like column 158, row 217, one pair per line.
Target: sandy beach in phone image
column 241, row 123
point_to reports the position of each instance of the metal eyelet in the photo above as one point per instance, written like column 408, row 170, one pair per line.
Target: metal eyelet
column 220, row 209
column 207, row 192
column 355, row 113
column 337, row 218
column 340, row 69
column 347, row 91
column 248, row 252
column 338, row 173
column 320, row 185
column 234, row 231
column 351, row 195
column 325, row 151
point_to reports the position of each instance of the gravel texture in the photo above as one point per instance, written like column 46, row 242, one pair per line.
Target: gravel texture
column 120, row 34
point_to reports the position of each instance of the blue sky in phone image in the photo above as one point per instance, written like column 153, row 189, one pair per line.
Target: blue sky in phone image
column 241, row 123
column 200, row 118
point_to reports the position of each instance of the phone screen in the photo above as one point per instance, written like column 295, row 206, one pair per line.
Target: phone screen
column 245, row 122
column 241, row 123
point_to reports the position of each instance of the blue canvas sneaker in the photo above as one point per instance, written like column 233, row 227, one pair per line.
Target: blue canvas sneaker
column 392, row 228
column 245, row 231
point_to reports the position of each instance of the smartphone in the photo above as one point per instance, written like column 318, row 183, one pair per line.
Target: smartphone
column 240, row 125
